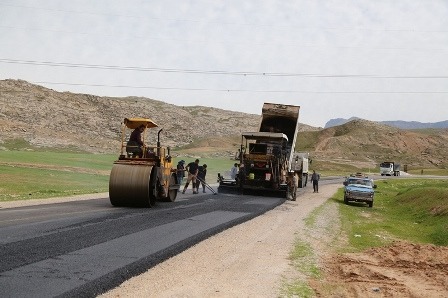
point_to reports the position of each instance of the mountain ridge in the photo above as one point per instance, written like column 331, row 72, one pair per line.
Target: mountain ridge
column 38, row 117
column 395, row 123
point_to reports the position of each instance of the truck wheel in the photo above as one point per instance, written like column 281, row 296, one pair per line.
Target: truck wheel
column 370, row 204
column 345, row 200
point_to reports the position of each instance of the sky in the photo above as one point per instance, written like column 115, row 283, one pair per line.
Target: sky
column 374, row 59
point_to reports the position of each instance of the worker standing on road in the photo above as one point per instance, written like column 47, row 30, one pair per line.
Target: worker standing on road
column 202, row 171
column 315, row 179
column 241, row 177
column 180, row 171
column 192, row 169
column 234, row 171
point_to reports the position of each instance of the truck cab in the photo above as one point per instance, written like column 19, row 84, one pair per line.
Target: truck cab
column 389, row 168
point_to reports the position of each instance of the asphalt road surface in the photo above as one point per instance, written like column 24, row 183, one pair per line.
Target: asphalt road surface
column 84, row 248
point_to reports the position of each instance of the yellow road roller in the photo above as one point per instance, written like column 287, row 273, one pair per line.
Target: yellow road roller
column 142, row 174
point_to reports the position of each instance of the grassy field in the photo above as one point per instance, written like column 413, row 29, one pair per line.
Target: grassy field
column 31, row 175
column 36, row 175
column 27, row 174
column 413, row 209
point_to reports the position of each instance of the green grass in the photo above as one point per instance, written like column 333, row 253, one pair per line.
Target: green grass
column 60, row 159
column 297, row 289
column 433, row 171
column 20, row 183
column 302, row 257
column 30, row 175
column 326, row 168
column 413, row 209
column 303, row 260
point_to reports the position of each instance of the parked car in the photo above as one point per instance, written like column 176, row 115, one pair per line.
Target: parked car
column 359, row 189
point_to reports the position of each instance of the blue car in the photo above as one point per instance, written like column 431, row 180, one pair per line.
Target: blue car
column 359, row 189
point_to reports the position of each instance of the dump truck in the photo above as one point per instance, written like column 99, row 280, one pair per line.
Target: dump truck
column 267, row 156
column 142, row 174
column 389, row 168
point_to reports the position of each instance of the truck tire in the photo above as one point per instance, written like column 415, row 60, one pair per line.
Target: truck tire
column 370, row 204
column 345, row 199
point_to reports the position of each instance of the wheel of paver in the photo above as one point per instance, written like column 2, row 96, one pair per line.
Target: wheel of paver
column 131, row 185
column 172, row 193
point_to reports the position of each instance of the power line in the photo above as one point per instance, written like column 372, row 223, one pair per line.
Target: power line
column 242, row 90
column 210, row 72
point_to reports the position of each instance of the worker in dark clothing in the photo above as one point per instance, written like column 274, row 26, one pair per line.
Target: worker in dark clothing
column 315, row 179
column 192, row 169
column 241, row 177
column 202, row 171
column 180, row 173
column 136, row 140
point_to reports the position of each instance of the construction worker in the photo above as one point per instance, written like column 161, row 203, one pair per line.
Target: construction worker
column 192, row 169
column 202, row 171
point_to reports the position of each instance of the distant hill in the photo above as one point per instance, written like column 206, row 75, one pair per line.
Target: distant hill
column 367, row 143
column 398, row 123
column 42, row 117
column 416, row 125
column 33, row 117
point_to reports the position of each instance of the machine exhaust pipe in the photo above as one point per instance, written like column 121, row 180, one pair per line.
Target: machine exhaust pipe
column 158, row 143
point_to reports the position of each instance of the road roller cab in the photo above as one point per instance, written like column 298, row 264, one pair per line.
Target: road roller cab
column 143, row 173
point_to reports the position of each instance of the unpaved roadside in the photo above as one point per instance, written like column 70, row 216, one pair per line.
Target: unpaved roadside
column 253, row 260
column 248, row 260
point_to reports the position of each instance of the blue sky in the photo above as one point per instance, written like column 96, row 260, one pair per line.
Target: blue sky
column 374, row 59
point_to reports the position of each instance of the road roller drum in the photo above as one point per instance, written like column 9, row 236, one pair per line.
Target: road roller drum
column 131, row 185
column 142, row 174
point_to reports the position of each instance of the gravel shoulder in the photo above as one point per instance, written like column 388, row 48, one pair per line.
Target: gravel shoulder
column 251, row 259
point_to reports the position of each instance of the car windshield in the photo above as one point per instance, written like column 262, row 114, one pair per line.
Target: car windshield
column 360, row 182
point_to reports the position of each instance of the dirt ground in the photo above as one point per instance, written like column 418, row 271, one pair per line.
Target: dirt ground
column 399, row 270
column 253, row 260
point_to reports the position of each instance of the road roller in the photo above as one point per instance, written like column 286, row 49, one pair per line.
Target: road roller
column 142, row 174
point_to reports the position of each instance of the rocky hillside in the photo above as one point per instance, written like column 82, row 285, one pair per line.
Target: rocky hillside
column 40, row 117
column 371, row 142
column 47, row 118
